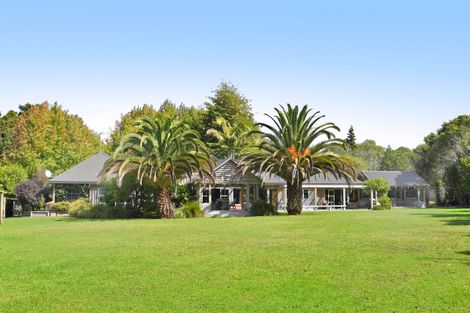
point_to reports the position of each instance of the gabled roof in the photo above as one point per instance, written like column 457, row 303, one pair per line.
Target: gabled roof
column 397, row 178
column 86, row 172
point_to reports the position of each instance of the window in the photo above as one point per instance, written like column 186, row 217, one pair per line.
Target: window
column 224, row 194
column 205, row 196
column 305, row 194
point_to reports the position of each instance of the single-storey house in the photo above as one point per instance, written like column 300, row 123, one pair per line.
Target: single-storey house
column 232, row 191
column 85, row 173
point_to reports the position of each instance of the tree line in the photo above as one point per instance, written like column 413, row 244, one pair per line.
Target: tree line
column 45, row 136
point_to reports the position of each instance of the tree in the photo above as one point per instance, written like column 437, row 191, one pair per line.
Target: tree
column 295, row 148
column 441, row 159
column 127, row 124
column 230, row 140
column 7, row 124
column 11, row 174
column 370, row 153
column 351, row 138
column 48, row 137
column 227, row 103
column 378, row 185
column 161, row 150
column 400, row 159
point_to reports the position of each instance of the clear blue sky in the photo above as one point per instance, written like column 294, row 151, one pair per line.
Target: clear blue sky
column 395, row 70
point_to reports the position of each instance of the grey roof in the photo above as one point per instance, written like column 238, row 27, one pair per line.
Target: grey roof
column 318, row 179
column 86, row 172
column 397, row 178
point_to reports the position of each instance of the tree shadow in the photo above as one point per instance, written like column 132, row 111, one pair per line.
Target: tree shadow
column 451, row 218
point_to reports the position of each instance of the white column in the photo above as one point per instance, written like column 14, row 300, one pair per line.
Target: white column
column 230, row 195
column 199, row 194
column 344, row 198
column 248, row 203
column 419, row 198
column 53, row 193
column 2, row 207
column 424, row 196
column 210, row 197
column 315, row 198
column 285, row 197
column 372, row 199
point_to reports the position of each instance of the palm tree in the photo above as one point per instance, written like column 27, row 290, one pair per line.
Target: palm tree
column 297, row 147
column 230, row 138
column 163, row 151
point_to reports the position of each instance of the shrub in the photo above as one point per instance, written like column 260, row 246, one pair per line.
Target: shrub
column 432, row 204
column 102, row 211
column 61, row 206
column 262, row 208
column 29, row 194
column 189, row 210
column 385, row 203
column 79, row 204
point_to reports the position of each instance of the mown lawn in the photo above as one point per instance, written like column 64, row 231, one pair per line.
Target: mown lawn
column 399, row 261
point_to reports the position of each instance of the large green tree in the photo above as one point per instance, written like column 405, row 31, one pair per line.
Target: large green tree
column 229, row 103
column 162, row 150
column 297, row 146
column 370, row 153
column 442, row 160
column 48, row 137
column 400, row 159
column 127, row 124
column 7, row 125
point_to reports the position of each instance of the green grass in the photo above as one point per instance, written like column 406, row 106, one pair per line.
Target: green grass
column 367, row 261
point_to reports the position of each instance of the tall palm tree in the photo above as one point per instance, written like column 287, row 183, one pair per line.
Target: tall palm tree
column 296, row 147
column 163, row 151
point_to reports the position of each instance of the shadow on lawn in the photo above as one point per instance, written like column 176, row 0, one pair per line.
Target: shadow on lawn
column 451, row 218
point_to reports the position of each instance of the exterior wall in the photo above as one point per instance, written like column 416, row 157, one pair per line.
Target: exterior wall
column 227, row 174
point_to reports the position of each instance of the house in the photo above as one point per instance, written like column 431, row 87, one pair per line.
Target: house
column 85, row 173
column 231, row 190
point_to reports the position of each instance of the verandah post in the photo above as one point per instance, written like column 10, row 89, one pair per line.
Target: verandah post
column 2, row 207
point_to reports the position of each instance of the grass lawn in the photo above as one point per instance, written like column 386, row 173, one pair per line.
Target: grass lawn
column 404, row 260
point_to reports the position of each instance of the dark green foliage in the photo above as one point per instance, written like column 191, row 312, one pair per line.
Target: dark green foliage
column 189, row 210
column 102, row 211
column 29, row 194
column 229, row 104
column 184, row 194
column 442, row 160
column 370, row 153
column 130, row 195
column 400, row 159
column 351, row 138
column 7, row 124
column 262, row 208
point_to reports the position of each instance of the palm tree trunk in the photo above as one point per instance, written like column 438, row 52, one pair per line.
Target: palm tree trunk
column 163, row 202
column 294, row 198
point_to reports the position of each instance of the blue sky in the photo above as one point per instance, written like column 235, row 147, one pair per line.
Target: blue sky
column 395, row 70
